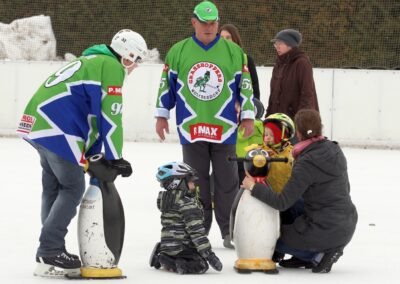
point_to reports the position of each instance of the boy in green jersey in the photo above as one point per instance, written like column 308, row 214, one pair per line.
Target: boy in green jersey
column 255, row 138
column 75, row 112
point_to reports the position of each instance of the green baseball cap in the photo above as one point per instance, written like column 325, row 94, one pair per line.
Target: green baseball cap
column 206, row 11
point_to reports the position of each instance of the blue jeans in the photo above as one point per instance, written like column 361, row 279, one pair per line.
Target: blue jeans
column 314, row 257
column 63, row 185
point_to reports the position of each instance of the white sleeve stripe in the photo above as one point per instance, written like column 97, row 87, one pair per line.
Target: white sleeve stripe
column 161, row 112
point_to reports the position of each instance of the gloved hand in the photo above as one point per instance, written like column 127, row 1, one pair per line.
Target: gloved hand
column 214, row 261
column 122, row 166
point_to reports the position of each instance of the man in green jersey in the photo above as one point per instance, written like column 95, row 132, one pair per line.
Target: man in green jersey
column 204, row 75
column 76, row 112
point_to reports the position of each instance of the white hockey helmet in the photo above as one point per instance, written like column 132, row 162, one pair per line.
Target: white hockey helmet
column 129, row 45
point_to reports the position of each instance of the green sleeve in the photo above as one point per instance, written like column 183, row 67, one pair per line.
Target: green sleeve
column 246, row 92
column 166, row 98
column 112, row 82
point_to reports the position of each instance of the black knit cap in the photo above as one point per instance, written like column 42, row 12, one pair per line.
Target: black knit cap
column 291, row 37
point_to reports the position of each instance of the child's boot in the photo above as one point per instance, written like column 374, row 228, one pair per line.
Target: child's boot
column 154, row 262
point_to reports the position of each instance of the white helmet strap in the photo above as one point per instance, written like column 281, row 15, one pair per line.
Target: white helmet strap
column 126, row 66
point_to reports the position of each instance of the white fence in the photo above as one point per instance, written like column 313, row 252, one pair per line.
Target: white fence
column 357, row 106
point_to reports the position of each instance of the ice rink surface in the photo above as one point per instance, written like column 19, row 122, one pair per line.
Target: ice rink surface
column 373, row 256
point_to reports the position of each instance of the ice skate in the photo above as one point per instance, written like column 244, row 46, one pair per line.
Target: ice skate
column 327, row 261
column 294, row 262
column 278, row 256
column 51, row 271
column 63, row 264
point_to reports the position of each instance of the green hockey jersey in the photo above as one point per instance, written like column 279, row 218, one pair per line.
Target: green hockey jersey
column 78, row 109
column 204, row 82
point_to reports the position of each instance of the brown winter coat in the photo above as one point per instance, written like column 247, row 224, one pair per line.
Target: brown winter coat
column 292, row 84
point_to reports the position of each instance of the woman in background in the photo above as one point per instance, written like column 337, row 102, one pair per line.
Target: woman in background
column 230, row 32
column 292, row 81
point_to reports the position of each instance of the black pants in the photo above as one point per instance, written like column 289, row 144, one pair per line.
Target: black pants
column 200, row 155
column 241, row 172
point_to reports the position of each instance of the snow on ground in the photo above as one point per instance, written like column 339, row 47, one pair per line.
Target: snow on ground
column 371, row 257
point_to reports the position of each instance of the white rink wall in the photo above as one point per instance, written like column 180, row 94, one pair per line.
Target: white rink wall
column 357, row 106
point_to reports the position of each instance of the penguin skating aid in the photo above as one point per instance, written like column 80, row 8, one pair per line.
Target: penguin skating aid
column 254, row 226
column 101, row 223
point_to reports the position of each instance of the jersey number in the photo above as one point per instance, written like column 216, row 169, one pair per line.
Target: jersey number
column 116, row 108
column 63, row 74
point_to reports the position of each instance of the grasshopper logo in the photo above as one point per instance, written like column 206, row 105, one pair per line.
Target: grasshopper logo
column 205, row 81
column 202, row 81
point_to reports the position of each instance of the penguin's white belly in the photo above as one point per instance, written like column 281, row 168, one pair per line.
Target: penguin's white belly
column 256, row 228
column 92, row 244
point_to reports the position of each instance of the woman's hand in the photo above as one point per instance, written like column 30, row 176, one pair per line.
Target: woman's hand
column 248, row 182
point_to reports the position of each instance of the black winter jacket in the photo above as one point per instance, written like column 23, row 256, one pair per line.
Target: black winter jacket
column 319, row 175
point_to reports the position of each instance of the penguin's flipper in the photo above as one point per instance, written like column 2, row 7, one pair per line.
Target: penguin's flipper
column 233, row 212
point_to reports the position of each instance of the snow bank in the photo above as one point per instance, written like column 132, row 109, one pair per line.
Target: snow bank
column 28, row 39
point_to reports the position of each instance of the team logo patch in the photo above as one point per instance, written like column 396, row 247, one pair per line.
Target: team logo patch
column 205, row 81
column 207, row 131
column 114, row 91
column 26, row 123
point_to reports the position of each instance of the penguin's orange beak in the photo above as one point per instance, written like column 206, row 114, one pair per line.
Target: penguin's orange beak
column 259, row 161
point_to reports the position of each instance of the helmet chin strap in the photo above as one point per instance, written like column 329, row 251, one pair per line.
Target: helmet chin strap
column 127, row 66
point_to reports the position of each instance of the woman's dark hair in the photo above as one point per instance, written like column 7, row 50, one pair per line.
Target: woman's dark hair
column 233, row 30
column 308, row 123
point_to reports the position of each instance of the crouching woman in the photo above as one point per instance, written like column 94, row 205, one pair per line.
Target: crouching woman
column 318, row 235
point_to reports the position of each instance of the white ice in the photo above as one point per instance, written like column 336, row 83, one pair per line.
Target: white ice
column 373, row 256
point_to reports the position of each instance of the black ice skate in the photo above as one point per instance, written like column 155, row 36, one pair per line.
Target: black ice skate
column 294, row 262
column 74, row 256
column 278, row 256
column 58, row 266
column 327, row 261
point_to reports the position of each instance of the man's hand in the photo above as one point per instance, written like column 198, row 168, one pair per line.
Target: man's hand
column 247, row 125
column 162, row 127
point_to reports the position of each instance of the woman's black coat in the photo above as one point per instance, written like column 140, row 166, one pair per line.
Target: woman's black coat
column 319, row 175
